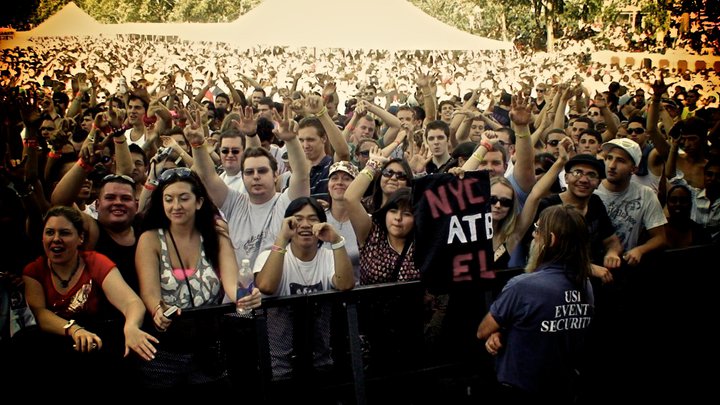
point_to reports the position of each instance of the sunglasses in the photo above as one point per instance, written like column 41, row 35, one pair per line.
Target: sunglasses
column 636, row 131
column 539, row 91
column 398, row 175
column 364, row 153
column 504, row 201
column 593, row 114
column 47, row 128
column 554, row 142
column 260, row 171
column 179, row 172
column 225, row 151
column 117, row 178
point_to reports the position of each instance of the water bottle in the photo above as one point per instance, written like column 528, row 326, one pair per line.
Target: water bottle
column 245, row 284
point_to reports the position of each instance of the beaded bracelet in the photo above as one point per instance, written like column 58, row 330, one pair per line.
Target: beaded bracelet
column 87, row 167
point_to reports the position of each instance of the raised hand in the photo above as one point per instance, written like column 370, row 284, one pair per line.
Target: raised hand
column 247, row 123
column 329, row 89
column 314, row 104
column 193, row 131
column 287, row 128
column 659, row 87
column 520, row 110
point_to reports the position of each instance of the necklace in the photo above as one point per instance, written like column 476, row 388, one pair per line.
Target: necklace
column 64, row 283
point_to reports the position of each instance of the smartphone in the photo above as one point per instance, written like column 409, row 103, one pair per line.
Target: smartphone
column 170, row 312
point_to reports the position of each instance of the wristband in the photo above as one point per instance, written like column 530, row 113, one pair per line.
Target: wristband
column 198, row 145
column 67, row 327
column 341, row 243
column 368, row 173
column 30, row 143
column 278, row 249
column 115, row 139
column 150, row 187
column 87, row 167
column 487, row 145
column 373, row 165
column 54, row 155
column 519, row 135
column 321, row 112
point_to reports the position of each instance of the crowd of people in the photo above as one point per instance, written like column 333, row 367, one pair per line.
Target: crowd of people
column 149, row 171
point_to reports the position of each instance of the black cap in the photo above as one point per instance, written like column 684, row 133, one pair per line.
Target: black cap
column 586, row 159
column 464, row 149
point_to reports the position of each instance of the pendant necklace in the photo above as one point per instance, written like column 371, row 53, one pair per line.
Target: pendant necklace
column 65, row 283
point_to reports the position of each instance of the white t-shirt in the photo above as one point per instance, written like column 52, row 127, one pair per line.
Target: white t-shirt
column 253, row 227
column 345, row 229
column 299, row 277
column 234, row 182
column 632, row 210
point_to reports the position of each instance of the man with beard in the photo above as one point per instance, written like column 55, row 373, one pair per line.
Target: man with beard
column 537, row 325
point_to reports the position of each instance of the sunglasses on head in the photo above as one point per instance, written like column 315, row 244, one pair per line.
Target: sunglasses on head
column 179, row 172
column 504, row 201
column 234, row 151
column 554, row 142
column 260, row 170
column 398, row 175
column 117, row 178
column 636, row 131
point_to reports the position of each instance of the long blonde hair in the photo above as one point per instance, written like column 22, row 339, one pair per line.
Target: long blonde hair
column 507, row 224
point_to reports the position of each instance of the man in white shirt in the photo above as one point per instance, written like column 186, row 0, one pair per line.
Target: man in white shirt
column 630, row 206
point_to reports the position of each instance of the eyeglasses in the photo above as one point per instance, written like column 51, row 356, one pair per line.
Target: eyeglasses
column 636, row 131
column 554, row 142
column 180, row 172
column 504, row 201
column 590, row 175
column 225, row 151
column 260, row 171
column 364, row 153
column 501, row 143
column 117, row 178
column 47, row 128
column 593, row 114
column 398, row 175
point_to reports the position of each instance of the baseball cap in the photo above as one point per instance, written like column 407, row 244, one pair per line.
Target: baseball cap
column 628, row 145
column 586, row 159
column 343, row 166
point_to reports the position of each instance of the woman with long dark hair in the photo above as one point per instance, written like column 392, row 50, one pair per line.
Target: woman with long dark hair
column 184, row 260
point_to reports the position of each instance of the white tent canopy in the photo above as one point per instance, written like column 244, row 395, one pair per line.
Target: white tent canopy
column 348, row 24
column 70, row 20
column 366, row 24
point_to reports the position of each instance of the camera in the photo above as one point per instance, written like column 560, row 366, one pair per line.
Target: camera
column 162, row 154
column 170, row 312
